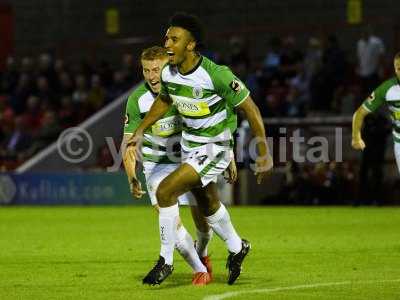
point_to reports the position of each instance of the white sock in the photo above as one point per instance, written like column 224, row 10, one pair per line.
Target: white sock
column 168, row 218
column 185, row 246
column 220, row 222
column 203, row 238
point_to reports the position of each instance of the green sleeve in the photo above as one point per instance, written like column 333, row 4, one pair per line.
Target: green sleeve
column 376, row 99
column 229, row 87
column 132, row 114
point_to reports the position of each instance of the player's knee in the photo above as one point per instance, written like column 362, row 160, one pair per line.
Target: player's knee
column 163, row 194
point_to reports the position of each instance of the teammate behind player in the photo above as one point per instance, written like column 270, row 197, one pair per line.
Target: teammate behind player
column 387, row 93
column 158, row 163
column 206, row 96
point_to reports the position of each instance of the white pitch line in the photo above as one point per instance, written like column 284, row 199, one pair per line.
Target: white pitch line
column 295, row 287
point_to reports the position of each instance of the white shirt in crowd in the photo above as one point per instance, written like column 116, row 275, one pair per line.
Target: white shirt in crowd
column 369, row 51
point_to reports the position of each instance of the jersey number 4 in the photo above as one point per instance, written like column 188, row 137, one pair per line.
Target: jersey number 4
column 202, row 159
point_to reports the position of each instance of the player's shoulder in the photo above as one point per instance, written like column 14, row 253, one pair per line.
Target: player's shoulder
column 138, row 92
column 387, row 84
column 212, row 68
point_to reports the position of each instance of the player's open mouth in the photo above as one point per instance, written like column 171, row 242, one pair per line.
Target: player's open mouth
column 154, row 83
column 170, row 53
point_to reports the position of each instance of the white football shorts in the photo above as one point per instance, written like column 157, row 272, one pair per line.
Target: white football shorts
column 155, row 173
column 209, row 161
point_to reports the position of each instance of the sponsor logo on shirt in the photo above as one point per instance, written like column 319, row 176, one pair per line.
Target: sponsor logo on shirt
column 167, row 126
column 192, row 109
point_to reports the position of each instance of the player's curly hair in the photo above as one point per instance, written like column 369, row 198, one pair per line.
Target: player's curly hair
column 397, row 56
column 192, row 24
column 152, row 53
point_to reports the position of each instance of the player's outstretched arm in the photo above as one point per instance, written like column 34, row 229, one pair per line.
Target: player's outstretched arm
column 358, row 121
column 264, row 162
column 157, row 110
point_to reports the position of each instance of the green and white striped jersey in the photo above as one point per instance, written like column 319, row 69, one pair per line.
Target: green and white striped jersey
column 388, row 92
column 159, row 140
column 205, row 98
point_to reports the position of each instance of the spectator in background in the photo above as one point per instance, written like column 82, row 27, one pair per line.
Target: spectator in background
column 66, row 113
column 21, row 93
column 44, row 91
column 46, row 69
column 272, row 60
column 345, row 99
column 59, row 66
column 17, row 139
column 66, row 84
column 81, row 92
column 106, row 74
column 130, row 70
column 97, row 94
column 290, row 57
column 7, row 118
column 28, row 67
column 298, row 96
column 33, row 113
column 370, row 51
column 47, row 133
column 275, row 99
column 9, row 78
column 331, row 75
column 313, row 57
column 239, row 60
column 118, row 86
column 6, row 113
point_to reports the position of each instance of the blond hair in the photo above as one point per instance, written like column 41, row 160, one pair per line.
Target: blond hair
column 152, row 53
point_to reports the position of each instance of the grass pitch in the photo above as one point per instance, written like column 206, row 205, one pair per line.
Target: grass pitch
column 103, row 253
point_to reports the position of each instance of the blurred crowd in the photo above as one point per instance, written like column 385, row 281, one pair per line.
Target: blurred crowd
column 39, row 97
column 321, row 183
column 295, row 80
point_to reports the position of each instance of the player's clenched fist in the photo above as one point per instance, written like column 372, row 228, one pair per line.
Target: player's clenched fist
column 263, row 166
column 358, row 144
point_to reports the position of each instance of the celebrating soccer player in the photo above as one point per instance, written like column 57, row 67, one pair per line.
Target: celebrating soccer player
column 388, row 92
column 206, row 96
column 158, row 162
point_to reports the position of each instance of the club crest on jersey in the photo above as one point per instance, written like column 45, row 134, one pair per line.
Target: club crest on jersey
column 197, row 92
column 236, row 85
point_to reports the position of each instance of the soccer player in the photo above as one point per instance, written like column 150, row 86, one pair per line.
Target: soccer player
column 158, row 162
column 206, row 96
column 388, row 92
